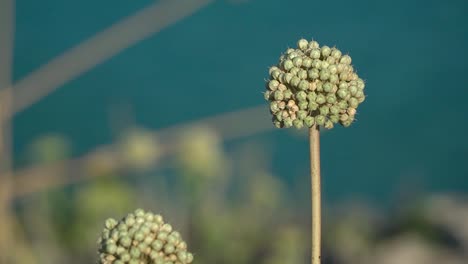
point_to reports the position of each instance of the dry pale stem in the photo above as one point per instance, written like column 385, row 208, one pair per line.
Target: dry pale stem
column 314, row 139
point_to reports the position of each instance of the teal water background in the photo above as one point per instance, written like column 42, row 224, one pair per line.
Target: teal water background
column 412, row 130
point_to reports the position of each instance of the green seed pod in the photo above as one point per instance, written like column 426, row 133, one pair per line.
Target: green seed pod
column 346, row 123
column 326, row 51
column 273, row 85
column 334, row 79
column 334, row 110
column 303, row 105
column 353, row 102
column 110, row 223
column 162, row 236
column 360, row 84
column 303, row 44
column 330, row 61
column 271, row 69
column 282, row 87
column 346, row 59
column 139, row 212
column 294, row 71
column 303, row 85
column 125, row 241
column 313, row 106
column 343, row 105
column 288, row 122
column 342, row 93
column 278, row 95
column 324, row 74
column 327, row 87
column 288, row 65
column 328, row 124
column 361, row 99
column 309, row 121
column 135, row 252
column 169, row 248
column 278, row 117
column 313, row 74
column 287, row 94
column 111, row 248
column 298, row 124
column 125, row 257
column 344, row 76
column 343, row 85
column 353, row 90
column 331, row 99
column 320, row 99
column 317, row 64
column 302, row 74
column 324, row 110
column 295, row 81
column 275, row 74
column 324, row 65
column 134, row 261
column 334, row 118
column 118, row 262
column 336, row 53
column 314, row 45
column 182, row 256
column 307, row 62
column 139, row 236
column 333, row 69
column 311, row 96
column 359, row 94
column 320, row 120
column 301, row 114
column 315, row 54
column 301, row 96
column 344, row 117
column 297, row 61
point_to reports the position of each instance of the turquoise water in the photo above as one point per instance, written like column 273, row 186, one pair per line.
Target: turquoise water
column 411, row 132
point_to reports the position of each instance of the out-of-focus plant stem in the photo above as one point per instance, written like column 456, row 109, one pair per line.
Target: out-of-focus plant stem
column 314, row 140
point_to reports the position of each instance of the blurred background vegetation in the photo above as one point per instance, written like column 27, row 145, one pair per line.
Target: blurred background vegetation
column 112, row 105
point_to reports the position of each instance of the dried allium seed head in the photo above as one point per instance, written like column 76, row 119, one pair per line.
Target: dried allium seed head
column 313, row 85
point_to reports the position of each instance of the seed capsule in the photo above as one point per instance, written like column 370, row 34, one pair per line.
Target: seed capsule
column 325, row 51
column 295, row 81
column 302, row 74
column 353, row 102
column 320, row 99
column 314, row 45
column 301, row 96
column 297, row 61
column 324, row 110
column 278, row 96
column 298, row 123
column 315, row 54
column 324, row 75
column 303, row 85
column 302, row 44
column 307, row 62
column 273, row 85
column 313, row 74
column 336, row 53
column 320, row 120
column 346, row 59
column 288, row 65
column 309, row 121
column 303, row 105
column 328, row 124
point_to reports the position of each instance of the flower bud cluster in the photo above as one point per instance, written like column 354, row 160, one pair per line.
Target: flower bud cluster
column 141, row 238
column 313, row 85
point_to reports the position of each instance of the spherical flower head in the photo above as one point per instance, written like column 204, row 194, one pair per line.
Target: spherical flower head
column 313, row 85
column 141, row 237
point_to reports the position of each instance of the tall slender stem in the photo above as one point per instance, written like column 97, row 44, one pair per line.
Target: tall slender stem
column 314, row 139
